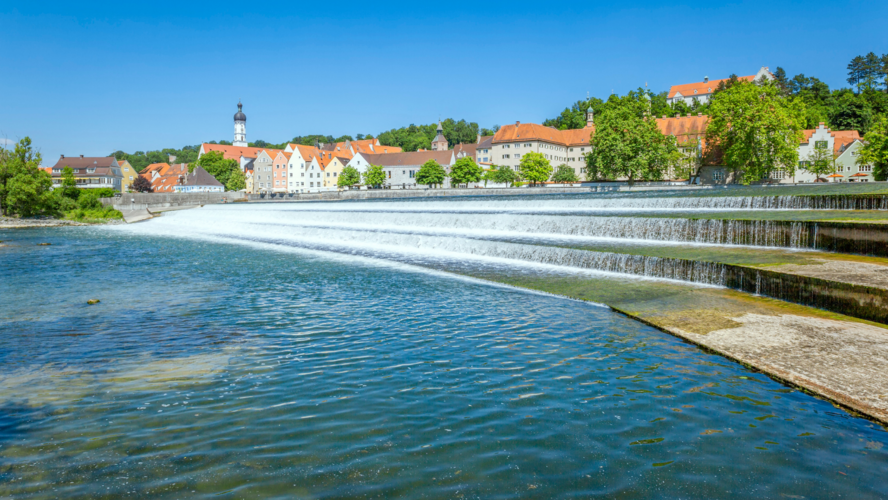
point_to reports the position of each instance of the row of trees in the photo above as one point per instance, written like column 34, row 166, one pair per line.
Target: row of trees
column 416, row 137
column 534, row 168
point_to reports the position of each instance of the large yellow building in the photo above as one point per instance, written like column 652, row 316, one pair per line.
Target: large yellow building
column 129, row 175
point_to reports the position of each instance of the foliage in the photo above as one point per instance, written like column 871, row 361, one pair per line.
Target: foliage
column 820, row 161
column 564, row 174
column 25, row 190
column 850, row 113
column 465, row 171
column 415, row 137
column 504, row 174
column 534, row 167
column 374, row 176
column 757, row 130
column 216, row 165
column 627, row 143
column 140, row 159
column 875, row 149
column 431, row 174
column 69, row 184
column 237, row 181
column 348, row 177
column 141, row 185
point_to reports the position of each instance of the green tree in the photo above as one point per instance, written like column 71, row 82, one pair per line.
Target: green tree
column 465, row 171
column 875, row 149
column 850, row 112
column 348, row 177
column 374, row 176
column 820, row 161
column 237, row 181
column 216, row 165
column 564, row 174
column 757, row 130
column 535, row 167
column 855, row 71
column 431, row 174
column 69, row 184
column 25, row 189
column 627, row 143
column 504, row 174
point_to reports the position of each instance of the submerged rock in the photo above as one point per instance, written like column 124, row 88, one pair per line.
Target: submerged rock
column 43, row 244
column 93, row 301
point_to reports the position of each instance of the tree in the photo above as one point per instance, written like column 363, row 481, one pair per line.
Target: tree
column 871, row 72
column 374, row 176
column 431, row 174
column 69, row 184
column 535, row 167
column 465, row 171
column 850, row 112
column 237, row 181
column 216, row 165
column 504, row 174
column 25, row 189
column 141, row 185
column 875, row 149
column 820, row 161
column 756, row 129
column 565, row 174
column 782, row 81
column 855, row 71
column 348, row 177
column 627, row 143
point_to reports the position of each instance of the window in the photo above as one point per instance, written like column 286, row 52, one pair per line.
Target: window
column 506, row 157
column 821, row 144
column 517, row 156
column 866, row 168
column 56, row 170
column 527, row 145
column 718, row 176
column 311, row 184
column 334, row 174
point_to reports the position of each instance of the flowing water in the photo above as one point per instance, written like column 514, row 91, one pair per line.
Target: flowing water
column 257, row 351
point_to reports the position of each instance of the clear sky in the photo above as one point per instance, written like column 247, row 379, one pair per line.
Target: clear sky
column 94, row 77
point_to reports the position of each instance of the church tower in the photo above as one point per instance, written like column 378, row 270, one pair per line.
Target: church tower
column 590, row 117
column 440, row 143
column 240, row 127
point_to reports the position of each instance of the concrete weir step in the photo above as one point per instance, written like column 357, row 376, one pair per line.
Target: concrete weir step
column 131, row 216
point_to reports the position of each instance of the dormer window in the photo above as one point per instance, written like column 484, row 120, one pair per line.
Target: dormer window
column 91, row 170
column 695, row 91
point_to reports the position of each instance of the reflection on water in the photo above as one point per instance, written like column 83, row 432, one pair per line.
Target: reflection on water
column 212, row 369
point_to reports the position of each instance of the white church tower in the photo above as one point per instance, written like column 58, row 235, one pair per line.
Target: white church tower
column 240, row 127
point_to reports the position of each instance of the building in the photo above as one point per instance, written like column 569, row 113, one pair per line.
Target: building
column 401, row 168
column 129, row 175
column 333, row 170
column 268, row 174
column 165, row 177
column 838, row 142
column 440, row 143
column 90, row 172
column 567, row 147
column 482, row 144
column 240, row 127
column 702, row 91
column 242, row 154
column 198, row 181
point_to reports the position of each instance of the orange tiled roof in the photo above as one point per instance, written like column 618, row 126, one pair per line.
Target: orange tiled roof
column 687, row 90
column 232, row 152
column 840, row 137
column 684, row 128
column 163, row 176
column 534, row 132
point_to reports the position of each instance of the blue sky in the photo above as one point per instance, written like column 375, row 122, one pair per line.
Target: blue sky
column 94, row 77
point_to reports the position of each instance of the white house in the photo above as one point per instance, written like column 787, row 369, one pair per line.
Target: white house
column 702, row 91
column 198, row 181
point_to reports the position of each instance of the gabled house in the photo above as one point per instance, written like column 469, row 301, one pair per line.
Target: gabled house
column 198, row 181
column 91, row 172
column 401, row 168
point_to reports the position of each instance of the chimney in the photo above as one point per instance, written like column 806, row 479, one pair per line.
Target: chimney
column 63, row 157
column 664, row 116
column 699, row 114
column 517, row 123
column 705, row 79
column 479, row 139
column 172, row 159
column 81, row 156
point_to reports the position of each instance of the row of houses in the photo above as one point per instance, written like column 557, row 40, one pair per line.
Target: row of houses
column 119, row 175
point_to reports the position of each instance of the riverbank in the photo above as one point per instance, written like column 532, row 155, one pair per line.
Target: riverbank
column 20, row 223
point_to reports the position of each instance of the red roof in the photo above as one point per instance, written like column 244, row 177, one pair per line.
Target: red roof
column 233, row 152
column 687, row 89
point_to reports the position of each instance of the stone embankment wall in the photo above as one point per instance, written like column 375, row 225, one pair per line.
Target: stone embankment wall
column 143, row 201
column 370, row 194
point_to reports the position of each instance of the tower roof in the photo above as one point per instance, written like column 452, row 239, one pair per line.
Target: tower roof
column 240, row 116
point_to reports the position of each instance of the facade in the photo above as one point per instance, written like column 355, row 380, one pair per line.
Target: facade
column 702, row 91
column 400, row 168
column 264, row 174
column 90, row 172
column 567, row 147
column 198, row 181
column 242, row 154
column 847, row 167
column 129, row 175
column 440, row 143
column 240, row 127
column 333, row 170
column 483, row 143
